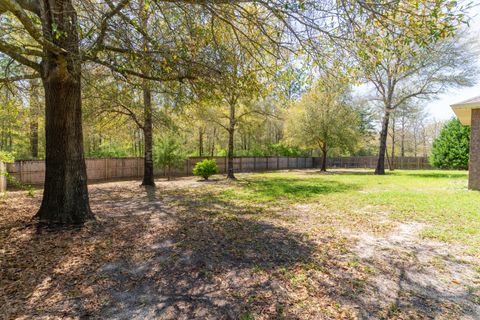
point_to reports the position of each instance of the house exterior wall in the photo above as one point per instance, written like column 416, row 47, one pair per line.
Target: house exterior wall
column 474, row 163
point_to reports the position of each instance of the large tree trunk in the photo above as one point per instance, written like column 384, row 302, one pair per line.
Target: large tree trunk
column 65, row 196
column 34, row 114
column 148, row 179
column 380, row 169
column 324, row 161
column 231, row 133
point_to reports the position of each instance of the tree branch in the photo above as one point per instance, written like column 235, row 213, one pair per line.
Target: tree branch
column 19, row 78
column 16, row 54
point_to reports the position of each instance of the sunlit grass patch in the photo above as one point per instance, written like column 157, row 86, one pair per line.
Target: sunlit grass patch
column 439, row 199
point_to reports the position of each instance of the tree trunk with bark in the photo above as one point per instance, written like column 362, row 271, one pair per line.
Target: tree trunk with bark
column 324, row 161
column 212, row 149
column 65, row 196
column 402, row 137
column 200, row 142
column 323, row 148
column 231, row 133
column 148, row 178
column 380, row 169
column 392, row 158
column 34, row 114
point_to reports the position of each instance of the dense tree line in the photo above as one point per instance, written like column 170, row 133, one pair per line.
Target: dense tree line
column 117, row 75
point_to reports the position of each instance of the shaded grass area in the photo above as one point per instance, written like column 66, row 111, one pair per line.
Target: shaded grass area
column 184, row 253
column 269, row 246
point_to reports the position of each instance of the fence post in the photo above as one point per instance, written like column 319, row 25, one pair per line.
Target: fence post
column 266, row 164
column 138, row 166
column 106, row 168
column 241, row 165
column 254, row 164
column 278, row 162
column 20, row 171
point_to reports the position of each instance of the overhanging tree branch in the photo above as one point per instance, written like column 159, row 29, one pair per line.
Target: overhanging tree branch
column 19, row 78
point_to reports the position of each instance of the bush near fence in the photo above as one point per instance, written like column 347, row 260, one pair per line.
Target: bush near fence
column 33, row 172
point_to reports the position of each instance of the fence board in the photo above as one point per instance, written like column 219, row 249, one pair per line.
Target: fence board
column 33, row 172
column 3, row 177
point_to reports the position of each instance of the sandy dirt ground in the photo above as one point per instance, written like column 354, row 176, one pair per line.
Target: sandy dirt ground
column 181, row 252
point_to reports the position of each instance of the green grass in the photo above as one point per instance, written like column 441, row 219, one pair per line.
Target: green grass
column 440, row 199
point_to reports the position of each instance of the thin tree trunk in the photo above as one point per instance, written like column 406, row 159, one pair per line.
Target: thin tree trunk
column 388, row 160
column 34, row 114
column 424, row 142
column 65, row 196
column 3, row 124
column 415, row 141
column 231, row 132
column 212, row 150
column 380, row 169
column 10, row 140
column 148, row 178
column 392, row 158
column 200, row 142
column 402, row 137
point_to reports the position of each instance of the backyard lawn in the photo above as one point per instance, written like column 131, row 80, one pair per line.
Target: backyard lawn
column 284, row 245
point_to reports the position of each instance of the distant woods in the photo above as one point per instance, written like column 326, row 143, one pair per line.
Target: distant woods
column 113, row 78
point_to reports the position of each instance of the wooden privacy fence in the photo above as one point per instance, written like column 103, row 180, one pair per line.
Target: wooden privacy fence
column 33, row 172
column 406, row 163
column 3, row 177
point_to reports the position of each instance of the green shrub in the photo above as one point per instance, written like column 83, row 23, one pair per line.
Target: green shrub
column 281, row 149
column 205, row 168
column 169, row 154
column 7, row 157
column 108, row 152
column 450, row 150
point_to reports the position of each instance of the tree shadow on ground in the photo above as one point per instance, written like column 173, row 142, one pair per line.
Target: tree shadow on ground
column 413, row 290
column 274, row 188
column 186, row 254
column 439, row 175
column 354, row 172
column 30, row 257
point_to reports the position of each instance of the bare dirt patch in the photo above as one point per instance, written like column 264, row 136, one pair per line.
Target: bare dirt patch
column 181, row 251
column 417, row 277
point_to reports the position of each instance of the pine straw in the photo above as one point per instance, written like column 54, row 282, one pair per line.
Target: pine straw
column 181, row 252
